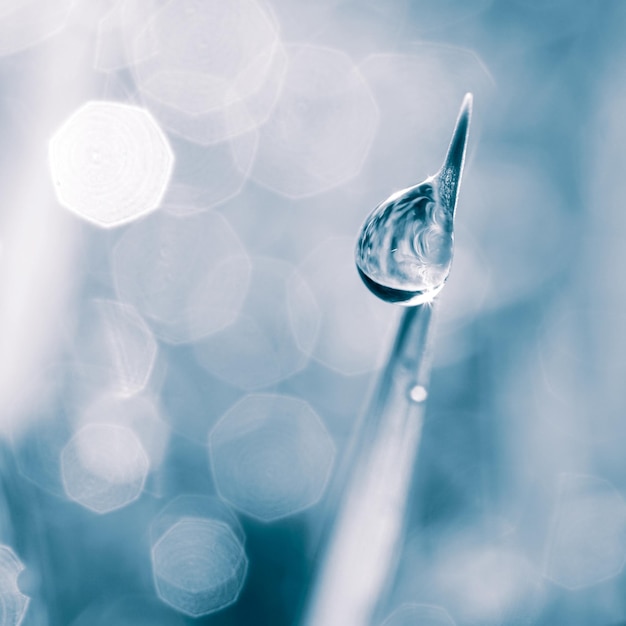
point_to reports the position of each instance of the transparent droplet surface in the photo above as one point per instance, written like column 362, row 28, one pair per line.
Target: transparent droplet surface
column 404, row 249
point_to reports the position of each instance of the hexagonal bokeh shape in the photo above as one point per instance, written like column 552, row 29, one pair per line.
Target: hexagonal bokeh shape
column 104, row 467
column 110, row 163
column 199, row 566
column 588, row 538
column 271, row 456
column 13, row 603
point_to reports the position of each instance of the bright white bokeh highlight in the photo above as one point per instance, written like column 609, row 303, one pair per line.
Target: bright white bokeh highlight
column 110, row 163
column 419, row 615
column 114, row 347
column 587, row 543
column 13, row 603
column 209, row 70
column 260, row 347
column 104, row 467
column 520, row 257
column 271, row 456
column 26, row 23
column 355, row 326
column 188, row 276
column 199, row 566
column 321, row 129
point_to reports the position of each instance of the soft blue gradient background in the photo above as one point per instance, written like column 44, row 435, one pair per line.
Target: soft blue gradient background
column 517, row 514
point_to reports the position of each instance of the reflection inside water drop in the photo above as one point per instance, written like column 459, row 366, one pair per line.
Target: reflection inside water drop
column 404, row 250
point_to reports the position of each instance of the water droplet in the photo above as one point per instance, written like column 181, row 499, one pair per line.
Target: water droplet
column 418, row 393
column 404, row 250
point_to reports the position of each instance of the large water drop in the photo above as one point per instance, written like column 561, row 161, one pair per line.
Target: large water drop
column 405, row 246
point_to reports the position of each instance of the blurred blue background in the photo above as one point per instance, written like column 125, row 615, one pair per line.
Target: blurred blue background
column 185, row 345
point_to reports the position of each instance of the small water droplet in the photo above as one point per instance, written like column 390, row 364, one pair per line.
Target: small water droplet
column 418, row 393
column 404, row 249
